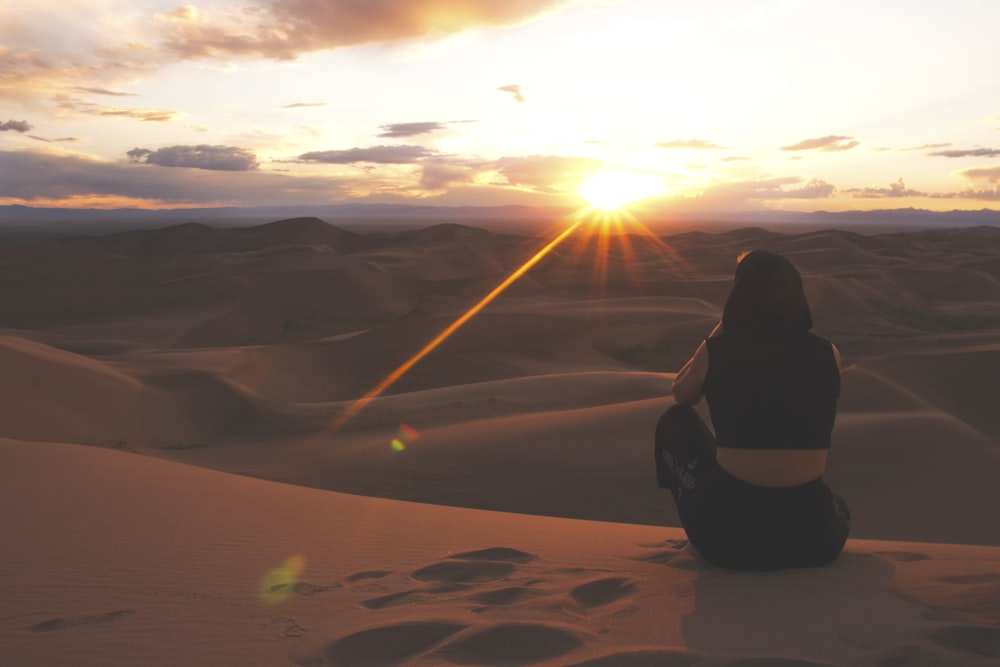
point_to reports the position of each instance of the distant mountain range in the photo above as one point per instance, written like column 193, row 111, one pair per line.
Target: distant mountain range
column 27, row 223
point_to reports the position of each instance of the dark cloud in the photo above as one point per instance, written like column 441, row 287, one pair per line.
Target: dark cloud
column 972, row 152
column 405, row 154
column 897, row 189
column 103, row 91
column 696, row 144
column 30, row 175
column 283, row 29
column 410, row 129
column 214, row 158
column 70, row 140
column 516, row 90
column 831, row 142
column 303, row 105
column 16, row 126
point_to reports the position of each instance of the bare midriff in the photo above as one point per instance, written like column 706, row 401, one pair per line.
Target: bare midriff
column 773, row 467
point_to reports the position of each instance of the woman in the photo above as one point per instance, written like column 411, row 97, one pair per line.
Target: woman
column 753, row 497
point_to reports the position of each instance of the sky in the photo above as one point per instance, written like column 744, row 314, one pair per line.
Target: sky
column 716, row 105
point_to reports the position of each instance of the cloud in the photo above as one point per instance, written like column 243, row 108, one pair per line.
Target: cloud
column 303, row 105
column 828, row 143
column 39, row 63
column 750, row 194
column 103, row 91
column 404, row 154
column 546, row 173
column 896, row 189
column 71, row 140
column 972, row 152
column 695, row 144
column 972, row 193
column 215, row 158
column 441, row 174
column 410, row 129
column 91, row 109
column 283, row 29
column 16, row 126
column 814, row 189
column 925, row 147
column 988, row 174
column 516, row 90
column 46, row 177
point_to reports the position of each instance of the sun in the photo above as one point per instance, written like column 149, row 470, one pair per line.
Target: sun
column 610, row 190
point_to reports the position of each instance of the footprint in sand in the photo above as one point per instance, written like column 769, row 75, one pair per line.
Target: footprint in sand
column 367, row 574
column 507, row 643
column 385, row 645
column 601, row 592
column 368, row 581
column 461, row 572
column 475, row 566
column 86, row 619
column 499, row 554
column 679, row 553
column 393, row 600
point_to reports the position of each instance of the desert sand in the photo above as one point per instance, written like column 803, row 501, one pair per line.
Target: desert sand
column 179, row 488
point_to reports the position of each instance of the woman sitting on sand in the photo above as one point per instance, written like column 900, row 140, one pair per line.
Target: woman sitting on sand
column 753, row 497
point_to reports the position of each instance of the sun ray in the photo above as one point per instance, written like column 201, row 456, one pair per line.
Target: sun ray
column 597, row 226
column 359, row 404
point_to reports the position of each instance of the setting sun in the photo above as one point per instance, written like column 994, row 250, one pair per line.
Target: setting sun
column 608, row 190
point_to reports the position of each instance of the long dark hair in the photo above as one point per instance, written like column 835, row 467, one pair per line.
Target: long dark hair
column 767, row 297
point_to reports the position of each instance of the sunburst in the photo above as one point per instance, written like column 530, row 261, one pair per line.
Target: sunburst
column 610, row 190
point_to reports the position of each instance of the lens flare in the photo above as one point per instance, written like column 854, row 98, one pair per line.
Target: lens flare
column 278, row 584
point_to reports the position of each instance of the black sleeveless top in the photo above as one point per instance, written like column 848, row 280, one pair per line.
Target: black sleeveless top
column 772, row 391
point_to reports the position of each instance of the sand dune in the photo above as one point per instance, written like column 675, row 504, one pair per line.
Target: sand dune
column 155, row 563
column 238, row 349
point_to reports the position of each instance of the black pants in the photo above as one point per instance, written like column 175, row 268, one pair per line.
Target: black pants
column 736, row 524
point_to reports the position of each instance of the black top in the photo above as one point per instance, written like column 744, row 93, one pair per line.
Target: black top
column 772, row 391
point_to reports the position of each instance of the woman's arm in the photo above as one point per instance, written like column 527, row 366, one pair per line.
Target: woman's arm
column 688, row 386
column 836, row 356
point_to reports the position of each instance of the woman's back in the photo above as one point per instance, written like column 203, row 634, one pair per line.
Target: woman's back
column 773, row 403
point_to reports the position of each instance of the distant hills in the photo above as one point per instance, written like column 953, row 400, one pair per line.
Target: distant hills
column 23, row 223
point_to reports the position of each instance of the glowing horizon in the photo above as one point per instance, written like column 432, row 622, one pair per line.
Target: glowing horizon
column 484, row 103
